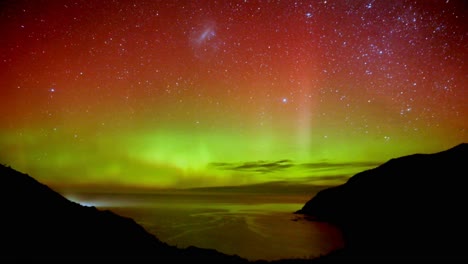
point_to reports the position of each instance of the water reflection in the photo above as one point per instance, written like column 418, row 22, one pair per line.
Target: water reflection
column 253, row 226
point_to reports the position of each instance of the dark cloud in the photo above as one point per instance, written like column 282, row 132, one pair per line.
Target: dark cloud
column 333, row 166
column 282, row 165
column 326, row 178
column 254, row 166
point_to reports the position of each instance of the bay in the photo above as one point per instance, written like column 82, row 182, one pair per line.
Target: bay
column 253, row 226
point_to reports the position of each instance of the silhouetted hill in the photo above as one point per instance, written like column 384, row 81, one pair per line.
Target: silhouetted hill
column 410, row 207
column 39, row 224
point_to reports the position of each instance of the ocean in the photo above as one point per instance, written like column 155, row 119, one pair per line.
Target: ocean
column 252, row 226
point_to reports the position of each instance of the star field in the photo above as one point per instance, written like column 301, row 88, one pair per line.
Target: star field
column 153, row 93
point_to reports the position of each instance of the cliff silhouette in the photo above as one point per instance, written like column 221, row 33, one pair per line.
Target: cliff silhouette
column 412, row 207
column 37, row 223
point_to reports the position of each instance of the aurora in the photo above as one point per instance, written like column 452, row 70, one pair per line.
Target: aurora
column 198, row 94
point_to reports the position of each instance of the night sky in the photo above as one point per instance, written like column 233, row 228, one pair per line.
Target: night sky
column 206, row 93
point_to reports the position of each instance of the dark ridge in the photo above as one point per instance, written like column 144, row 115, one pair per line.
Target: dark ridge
column 412, row 207
column 37, row 223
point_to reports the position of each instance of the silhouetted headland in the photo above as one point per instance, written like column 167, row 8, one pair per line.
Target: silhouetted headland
column 37, row 223
column 412, row 207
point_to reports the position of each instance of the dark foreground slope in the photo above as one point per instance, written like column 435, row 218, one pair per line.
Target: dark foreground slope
column 412, row 207
column 38, row 223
